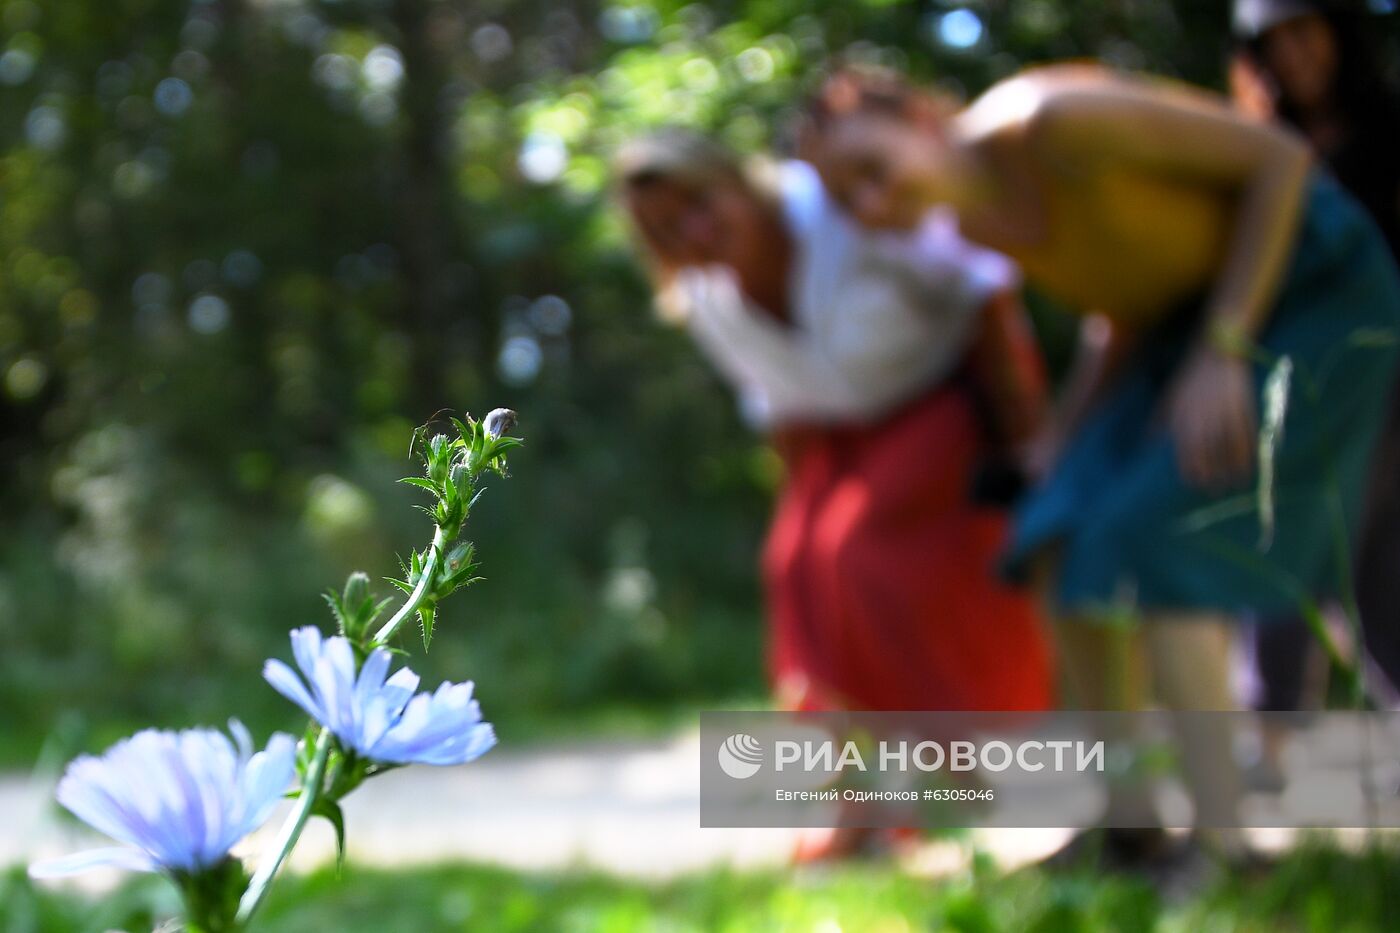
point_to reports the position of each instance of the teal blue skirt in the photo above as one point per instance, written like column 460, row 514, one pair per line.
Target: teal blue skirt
column 1127, row 529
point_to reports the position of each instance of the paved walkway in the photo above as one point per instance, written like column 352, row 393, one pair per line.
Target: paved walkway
column 627, row 808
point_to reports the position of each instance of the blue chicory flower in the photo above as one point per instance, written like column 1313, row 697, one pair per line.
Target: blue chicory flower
column 380, row 719
column 179, row 800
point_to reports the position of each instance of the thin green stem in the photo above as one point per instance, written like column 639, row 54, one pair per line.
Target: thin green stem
column 316, row 772
column 415, row 598
column 1352, row 610
column 291, row 829
column 1346, row 586
column 1317, row 625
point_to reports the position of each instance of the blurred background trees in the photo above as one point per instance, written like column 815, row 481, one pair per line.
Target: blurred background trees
column 246, row 245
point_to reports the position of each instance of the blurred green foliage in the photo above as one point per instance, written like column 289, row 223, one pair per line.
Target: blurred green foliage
column 1316, row 890
column 246, row 245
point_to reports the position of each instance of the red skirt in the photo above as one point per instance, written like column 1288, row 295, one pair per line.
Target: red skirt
column 881, row 573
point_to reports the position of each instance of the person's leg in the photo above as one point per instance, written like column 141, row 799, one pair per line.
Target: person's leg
column 1101, row 668
column 1189, row 658
column 1104, row 670
column 1103, row 663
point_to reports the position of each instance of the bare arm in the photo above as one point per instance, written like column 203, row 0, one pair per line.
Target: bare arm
column 1103, row 347
column 1195, row 138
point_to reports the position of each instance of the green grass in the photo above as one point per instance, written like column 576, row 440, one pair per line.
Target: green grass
column 1315, row 889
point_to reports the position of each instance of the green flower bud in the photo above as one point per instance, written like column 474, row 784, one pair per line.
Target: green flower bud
column 439, row 459
column 459, row 554
column 356, row 590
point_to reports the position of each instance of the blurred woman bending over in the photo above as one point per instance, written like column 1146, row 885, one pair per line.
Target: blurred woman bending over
column 886, row 369
column 1201, row 248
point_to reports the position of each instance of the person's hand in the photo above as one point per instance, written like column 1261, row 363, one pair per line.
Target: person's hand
column 1211, row 413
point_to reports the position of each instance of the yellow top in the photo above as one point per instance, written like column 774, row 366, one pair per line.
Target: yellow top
column 1126, row 195
column 1127, row 244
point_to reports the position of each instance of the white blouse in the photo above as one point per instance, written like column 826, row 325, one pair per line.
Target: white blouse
column 875, row 318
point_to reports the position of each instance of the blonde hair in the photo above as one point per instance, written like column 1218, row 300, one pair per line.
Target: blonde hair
column 687, row 157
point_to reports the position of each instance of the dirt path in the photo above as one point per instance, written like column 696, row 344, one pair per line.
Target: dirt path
column 627, row 808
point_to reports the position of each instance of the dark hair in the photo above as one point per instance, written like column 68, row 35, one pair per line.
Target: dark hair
column 850, row 89
column 1362, row 93
column 1367, row 160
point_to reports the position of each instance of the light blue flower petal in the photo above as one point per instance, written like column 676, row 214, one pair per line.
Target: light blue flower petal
column 399, row 689
column 372, row 674
column 265, row 779
column 285, row 681
column 242, row 737
column 334, row 681
column 181, row 799
column 368, row 688
column 460, row 748
column 79, row 862
column 444, row 728
column 306, row 647
column 380, row 719
column 85, row 792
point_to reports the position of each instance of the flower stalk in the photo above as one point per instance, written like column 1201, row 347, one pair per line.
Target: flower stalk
column 290, row 832
column 419, row 593
column 182, row 801
column 211, row 897
column 452, row 468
